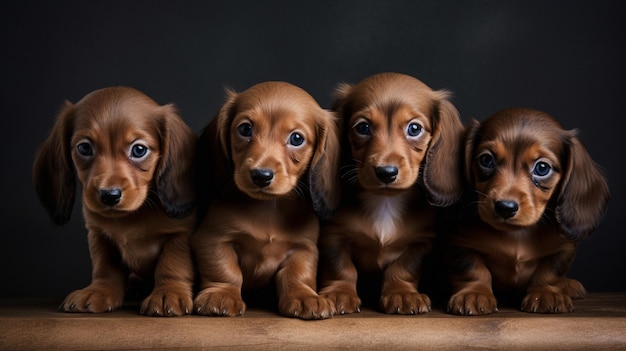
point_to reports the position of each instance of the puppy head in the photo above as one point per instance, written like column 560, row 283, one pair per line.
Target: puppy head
column 272, row 136
column 397, row 129
column 524, row 166
column 121, row 146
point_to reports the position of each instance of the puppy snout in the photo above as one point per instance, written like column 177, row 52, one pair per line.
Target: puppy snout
column 261, row 177
column 506, row 208
column 110, row 197
column 387, row 174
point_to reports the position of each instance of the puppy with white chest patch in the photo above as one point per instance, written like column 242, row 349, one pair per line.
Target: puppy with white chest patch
column 400, row 141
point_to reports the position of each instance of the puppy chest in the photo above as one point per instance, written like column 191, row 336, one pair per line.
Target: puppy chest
column 259, row 258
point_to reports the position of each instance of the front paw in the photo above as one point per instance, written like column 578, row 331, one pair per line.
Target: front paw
column 409, row 302
column 345, row 302
column 473, row 303
column 307, row 307
column 93, row 299
column 167, row 303
column 547, row 302
column 210, row 302
column 573, row 288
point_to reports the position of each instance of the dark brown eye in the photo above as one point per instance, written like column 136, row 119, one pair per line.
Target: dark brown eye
column 245, row 130
column 296, row 139
column 85, row 149
column 542, row 169
column 486, row 162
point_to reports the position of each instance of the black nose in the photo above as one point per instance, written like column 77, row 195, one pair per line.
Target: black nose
column 110, row 197
column 387, row 174
column 261, row 177
column 506, row 208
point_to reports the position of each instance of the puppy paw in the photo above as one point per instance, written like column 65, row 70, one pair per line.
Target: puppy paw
column 344, row 302
column 547, row 302
column 167, row 303
column 93, row 299
column 405, row 303
column 573, row 288
column 307, row 307
column 217, row 303
column 471, row 304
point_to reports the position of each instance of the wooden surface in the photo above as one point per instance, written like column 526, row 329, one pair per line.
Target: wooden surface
column 599, row 323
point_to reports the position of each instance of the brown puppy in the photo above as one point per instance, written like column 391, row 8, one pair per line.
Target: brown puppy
column 267, row 148
column 400, row 141
column 134, row 160
column 536, row 193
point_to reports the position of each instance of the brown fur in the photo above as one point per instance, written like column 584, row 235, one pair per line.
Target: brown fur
column 385, row 222
column 254, row 232
column 136, row 209
column 529, row 245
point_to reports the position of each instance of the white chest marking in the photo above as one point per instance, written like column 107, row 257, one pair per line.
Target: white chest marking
column 385, row 212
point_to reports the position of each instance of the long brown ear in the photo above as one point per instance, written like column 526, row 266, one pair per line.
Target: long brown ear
column 214, row 168
column 53, row 170
column 584, row 193
column 470, row 144
column 175, row 178
column 441, row 173
column 323, row 180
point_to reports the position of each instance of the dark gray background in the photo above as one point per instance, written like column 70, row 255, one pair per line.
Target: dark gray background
column 565, row 58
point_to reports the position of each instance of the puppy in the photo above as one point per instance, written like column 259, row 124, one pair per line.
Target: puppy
column 270, row 155
column 400, row 140
column 133, row 159
column 535, row 193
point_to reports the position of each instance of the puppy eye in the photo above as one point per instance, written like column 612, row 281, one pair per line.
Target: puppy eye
column 363, row 128
column 486, row 162
column 413, row 129
column 138, row 151
column 85, row 149
column 296, row 139
column 245, row 130
column 542, row 169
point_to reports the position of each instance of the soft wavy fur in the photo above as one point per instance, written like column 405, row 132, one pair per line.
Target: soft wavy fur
column 534, row 194
column 267, row 162
column 134, row 161
column 400, row 142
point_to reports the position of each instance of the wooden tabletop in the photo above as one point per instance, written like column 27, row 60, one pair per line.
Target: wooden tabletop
column 599, row 323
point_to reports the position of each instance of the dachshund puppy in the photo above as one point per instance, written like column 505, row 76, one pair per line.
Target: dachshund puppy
column 400, row 141
column 133, row 159
column 536, row 193
column 270, row 156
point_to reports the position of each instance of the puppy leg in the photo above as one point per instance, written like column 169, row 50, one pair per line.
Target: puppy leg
column 549, row 291
column 295, row 283
column 221, row 278
column 400, row 279
column 173, row 280
column 338, row 275
column 106, row 291
column 471, row 282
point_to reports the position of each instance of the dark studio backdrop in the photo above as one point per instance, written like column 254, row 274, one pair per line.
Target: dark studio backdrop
column 562, row 57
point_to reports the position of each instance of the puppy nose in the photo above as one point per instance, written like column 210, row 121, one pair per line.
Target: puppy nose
column 506, row 208
column 261, row 177
column 387, row 174
column 110, row 197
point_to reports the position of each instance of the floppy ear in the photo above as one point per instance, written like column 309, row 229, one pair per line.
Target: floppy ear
column 214, row 168
column 471, row 135
column 584, row 192
column 53, row 169
column 441, row 173
column 323, row 179
column 174, row 177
